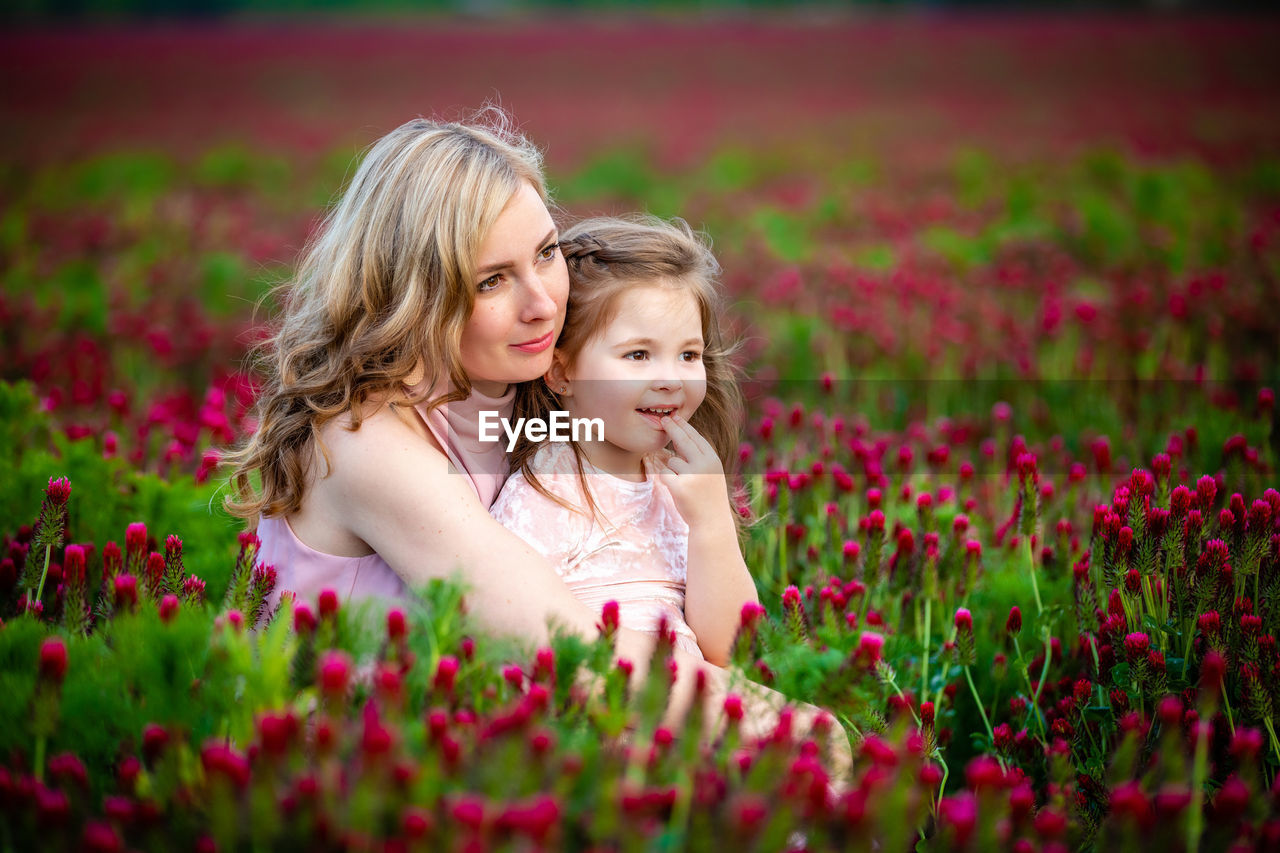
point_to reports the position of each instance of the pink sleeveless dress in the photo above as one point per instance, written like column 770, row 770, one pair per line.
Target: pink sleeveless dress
column 306, row 571
column 635, row 551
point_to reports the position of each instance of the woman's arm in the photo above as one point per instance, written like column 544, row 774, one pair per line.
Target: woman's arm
column 391, row 488
column 718, row 582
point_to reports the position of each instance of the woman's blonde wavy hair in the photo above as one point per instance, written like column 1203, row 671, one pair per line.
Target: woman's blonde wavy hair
column 606, row 256
column 381, row 295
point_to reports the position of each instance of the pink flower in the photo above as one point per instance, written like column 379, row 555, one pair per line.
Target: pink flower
column 964, row 620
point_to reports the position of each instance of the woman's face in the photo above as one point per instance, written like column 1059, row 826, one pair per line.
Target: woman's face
column 522, row 288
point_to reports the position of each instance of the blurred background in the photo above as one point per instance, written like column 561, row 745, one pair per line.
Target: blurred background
column 929, row 207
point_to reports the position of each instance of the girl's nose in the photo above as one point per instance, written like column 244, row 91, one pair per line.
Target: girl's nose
column 667, row 383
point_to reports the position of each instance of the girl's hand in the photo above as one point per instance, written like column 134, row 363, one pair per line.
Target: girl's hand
column 692, row 473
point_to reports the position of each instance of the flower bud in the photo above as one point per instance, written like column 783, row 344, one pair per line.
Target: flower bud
column 1013, row 625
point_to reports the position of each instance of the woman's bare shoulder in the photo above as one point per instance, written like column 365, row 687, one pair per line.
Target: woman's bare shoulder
column 386, row 436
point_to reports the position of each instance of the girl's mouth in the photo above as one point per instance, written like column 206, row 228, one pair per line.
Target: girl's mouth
column 656, row 413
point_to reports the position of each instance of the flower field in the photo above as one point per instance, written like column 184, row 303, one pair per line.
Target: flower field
column 1007, row 292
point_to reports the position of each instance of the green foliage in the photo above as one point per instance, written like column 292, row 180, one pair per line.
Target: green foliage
column 107, row 494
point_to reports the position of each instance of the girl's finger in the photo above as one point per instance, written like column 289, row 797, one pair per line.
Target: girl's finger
column 678, row 466
column 695, row 436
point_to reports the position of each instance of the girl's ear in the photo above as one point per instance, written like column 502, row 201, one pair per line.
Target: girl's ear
column 557, row 378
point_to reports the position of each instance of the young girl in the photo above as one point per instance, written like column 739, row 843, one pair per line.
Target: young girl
column 643, row 516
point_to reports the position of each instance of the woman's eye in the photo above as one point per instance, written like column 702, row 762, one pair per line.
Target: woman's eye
column 549, row 252
column 488, row 284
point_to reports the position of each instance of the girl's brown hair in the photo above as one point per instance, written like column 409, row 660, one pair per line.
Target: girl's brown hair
column 607, row 255
column 381, row 295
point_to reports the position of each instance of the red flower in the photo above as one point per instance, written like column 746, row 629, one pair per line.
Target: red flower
column 791, row 598
column 446, row 673
column 73, row 565
column 53, row 660
column 335, row 673
column 1206, row 491
column 1128, row 802
column 1013, row 625
column 397, row 627
column 609, row 618
column 870, row 647
column 751, row 613
column 168, row 608
column 328, row 603
column 304, row 620
column 1136, row 645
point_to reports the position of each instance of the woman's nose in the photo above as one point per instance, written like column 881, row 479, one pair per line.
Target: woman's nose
column 538, row 304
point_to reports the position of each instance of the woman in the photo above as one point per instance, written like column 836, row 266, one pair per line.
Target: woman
column 435, row 286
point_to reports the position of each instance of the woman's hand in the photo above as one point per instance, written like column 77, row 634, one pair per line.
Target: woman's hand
column 693, row 474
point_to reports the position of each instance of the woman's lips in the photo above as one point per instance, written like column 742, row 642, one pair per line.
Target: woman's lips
column 536, row 345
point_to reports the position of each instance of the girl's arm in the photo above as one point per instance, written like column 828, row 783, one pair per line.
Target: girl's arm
column 392, row 489
column 718, row 582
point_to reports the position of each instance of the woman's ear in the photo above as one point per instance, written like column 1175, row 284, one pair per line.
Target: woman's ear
column 557, row 378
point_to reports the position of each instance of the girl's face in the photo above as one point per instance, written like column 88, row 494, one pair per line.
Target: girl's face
column 645, row 363
column 522, row 288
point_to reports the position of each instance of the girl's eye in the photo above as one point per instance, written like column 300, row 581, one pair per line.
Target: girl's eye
column 488, row 284
column 637, row 355
column 549, row 252
column 691, row 355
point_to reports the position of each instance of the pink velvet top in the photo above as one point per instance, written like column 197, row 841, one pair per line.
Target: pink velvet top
column 307, row 571
column 633, row 551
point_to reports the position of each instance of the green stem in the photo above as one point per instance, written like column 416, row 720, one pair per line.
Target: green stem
column 1226, row 706
column 946, row 771
column 1035, row 588
column 978, row 701
column 1044, row 673
column 48, row 552
column 1186, row 649
column 924, row 674
column 1271, row 732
